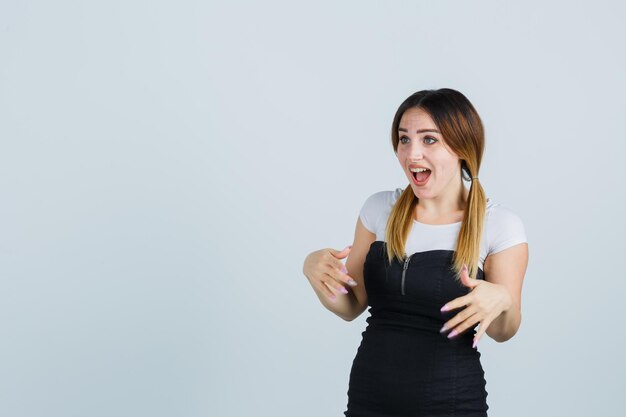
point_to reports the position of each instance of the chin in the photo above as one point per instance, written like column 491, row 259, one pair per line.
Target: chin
column 421, row 193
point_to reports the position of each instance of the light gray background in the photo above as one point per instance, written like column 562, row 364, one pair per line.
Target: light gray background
column 165, row 167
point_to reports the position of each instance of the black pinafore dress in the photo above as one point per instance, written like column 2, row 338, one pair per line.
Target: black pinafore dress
column 404, row 367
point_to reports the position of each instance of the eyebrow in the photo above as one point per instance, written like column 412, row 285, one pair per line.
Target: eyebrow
column 401, row 129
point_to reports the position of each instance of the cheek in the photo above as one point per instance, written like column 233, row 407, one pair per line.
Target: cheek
column 447, row 164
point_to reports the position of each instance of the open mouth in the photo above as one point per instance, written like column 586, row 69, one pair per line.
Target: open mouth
column 421, row 177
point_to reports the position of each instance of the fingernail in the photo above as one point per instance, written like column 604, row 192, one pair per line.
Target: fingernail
column 475, row 343
column 452, row 334
column 443, row 329
column 464, row 267
column 343, row 290
column 332, row 297
column 444, row 308
column 352, row 282
column 344, row 270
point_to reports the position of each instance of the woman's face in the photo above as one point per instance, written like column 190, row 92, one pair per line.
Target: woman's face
column 421, row 144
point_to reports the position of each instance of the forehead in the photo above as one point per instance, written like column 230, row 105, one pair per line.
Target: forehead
column 415, row 118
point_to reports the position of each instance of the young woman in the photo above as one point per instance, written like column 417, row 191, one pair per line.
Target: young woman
column 433, row 261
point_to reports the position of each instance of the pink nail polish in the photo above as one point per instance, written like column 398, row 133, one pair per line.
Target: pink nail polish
column 452, row 334
column 343, row 290
column 444, row 308
column 344, row 270
column 475, row 343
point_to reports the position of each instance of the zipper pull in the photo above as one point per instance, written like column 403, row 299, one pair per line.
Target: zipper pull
column 406, row 265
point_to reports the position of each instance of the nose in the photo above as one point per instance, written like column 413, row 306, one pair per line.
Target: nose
column 416, row 150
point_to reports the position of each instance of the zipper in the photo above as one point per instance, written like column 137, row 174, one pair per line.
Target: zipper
column 406, row 265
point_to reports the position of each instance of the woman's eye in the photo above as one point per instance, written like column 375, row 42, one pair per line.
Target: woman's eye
column 427, row 138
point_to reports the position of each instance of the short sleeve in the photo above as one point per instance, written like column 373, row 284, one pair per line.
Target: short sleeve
column 506, row 229
column 372, row 209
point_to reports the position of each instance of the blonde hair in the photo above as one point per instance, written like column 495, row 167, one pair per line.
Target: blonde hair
column 463, row 133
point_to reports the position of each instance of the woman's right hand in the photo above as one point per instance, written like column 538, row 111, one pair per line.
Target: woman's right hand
column 326, row 272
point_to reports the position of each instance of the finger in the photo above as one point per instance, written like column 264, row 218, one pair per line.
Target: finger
column 326, row 291
column 481, row 330
column 463, row 326
column 339, row 272
column 334, row 285
column 458, row 318
column 458, row 302
column 340, row 254
column 466, row 279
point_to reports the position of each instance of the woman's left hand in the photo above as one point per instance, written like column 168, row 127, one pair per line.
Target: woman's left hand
column 484, row 303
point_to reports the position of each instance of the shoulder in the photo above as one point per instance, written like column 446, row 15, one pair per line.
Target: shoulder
column 384, row 198
column 499, row 214
column 376, row 205
column 505, row 228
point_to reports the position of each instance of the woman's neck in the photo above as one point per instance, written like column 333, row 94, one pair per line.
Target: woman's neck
column 443, row 208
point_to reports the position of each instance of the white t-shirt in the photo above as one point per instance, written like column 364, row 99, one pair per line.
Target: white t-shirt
column 501, row 230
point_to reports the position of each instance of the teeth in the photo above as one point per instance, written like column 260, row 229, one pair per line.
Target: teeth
column 418, row 169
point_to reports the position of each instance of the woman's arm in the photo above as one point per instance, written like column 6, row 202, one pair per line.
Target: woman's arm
column 507, row 268
column 344, row 306
column 355, row 263
column 321, row 267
